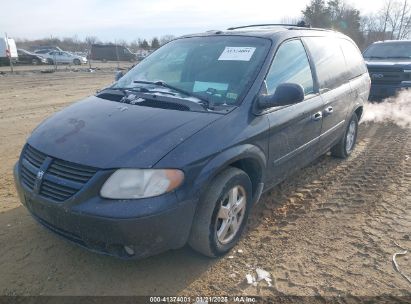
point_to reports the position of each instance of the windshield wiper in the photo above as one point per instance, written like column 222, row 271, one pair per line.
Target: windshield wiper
column 166, row 85
column 139, row 90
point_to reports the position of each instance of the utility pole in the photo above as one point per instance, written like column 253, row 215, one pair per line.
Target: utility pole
column 8, row 51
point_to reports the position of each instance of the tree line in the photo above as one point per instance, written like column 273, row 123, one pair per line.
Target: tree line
column 75, row 44
column 391, row 22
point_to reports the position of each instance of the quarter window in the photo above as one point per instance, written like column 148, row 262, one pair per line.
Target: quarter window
column 329, row 61
column 354, row 59
column 290, row 65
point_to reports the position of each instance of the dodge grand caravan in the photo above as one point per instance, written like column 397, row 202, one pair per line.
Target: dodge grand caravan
column 183, row 145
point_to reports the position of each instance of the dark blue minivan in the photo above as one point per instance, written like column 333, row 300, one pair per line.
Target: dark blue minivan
column 181, row 147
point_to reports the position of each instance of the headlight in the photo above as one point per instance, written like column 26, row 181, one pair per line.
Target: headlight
column 141, row 183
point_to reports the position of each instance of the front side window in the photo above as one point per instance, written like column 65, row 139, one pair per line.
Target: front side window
column 219, row 66
column 290, row 65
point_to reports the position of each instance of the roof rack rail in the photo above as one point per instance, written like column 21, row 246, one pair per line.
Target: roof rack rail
column 299, row 24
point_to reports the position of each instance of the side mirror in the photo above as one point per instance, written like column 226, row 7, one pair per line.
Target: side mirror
column 285, row 94
column 118, row 75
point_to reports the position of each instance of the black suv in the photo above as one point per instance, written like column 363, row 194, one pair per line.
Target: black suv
column 389, row 65
column 182, row 146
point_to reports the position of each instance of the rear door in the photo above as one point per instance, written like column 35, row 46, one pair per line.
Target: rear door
column 294, row 130
column 333, row 79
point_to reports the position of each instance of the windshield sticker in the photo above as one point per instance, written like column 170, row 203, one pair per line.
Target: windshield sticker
column 201, row 86
column 237, row 53
column 231, row 95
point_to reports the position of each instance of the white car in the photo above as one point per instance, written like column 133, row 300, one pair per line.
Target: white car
column 7, row 49
column 58, row 57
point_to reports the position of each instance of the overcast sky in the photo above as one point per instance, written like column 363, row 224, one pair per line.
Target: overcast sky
column 129, row 19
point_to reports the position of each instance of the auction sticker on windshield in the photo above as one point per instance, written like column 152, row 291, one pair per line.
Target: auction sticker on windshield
column 237, row 53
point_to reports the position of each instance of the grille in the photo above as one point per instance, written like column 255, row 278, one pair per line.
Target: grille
column 382, row 69
column 389, row 75
column 61, row 179
column 36, row 158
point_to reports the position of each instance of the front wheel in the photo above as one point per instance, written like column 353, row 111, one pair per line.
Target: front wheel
column 77, row 61
column 222, row 213
column 347, row 142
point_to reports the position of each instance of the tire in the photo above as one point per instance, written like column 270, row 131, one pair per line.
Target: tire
column 208, row 235
column 347, row 142
column 77, row 61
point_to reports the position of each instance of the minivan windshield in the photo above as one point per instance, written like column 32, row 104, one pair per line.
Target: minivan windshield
column 220, row 68
column 389, row 50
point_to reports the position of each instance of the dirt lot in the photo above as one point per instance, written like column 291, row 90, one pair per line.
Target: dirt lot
column 329, row 230
column 18, row 68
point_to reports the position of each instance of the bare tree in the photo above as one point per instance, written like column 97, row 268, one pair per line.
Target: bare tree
column 91, row 40
column 405, row 16
column 394, row 17
column 386, row 13
column 166, row 38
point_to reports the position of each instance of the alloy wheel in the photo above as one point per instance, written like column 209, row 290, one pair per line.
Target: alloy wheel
column 231, row 214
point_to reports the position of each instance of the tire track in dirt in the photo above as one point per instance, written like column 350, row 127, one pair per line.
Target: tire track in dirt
column 327, row 229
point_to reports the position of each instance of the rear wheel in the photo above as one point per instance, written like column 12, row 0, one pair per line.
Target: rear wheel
column 77, row 61
column 222, row 213
column 347, row 142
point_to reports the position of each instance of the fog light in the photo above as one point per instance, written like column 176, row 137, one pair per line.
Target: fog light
column 129, row 250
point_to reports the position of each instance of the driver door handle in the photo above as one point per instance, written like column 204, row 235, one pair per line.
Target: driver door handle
column 317, row 116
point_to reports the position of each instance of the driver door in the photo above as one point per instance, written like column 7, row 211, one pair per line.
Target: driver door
column 295, row 129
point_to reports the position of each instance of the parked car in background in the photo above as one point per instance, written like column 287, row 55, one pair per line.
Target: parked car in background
column 183, row 145
column 58, row 57
column 389, row 65
column 111, row 52
column 45, row 48
column 8, row 49
column 30, row 58
column 44, row 51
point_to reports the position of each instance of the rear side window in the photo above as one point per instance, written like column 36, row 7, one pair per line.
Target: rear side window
column 329, row 61
column 290, row 65
column 353, row 57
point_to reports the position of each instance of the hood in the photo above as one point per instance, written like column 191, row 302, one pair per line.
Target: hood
column 107, row 134
column 392, row 63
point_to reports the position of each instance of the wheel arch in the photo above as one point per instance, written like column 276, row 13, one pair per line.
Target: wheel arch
column 249, row 158
column 359, row 111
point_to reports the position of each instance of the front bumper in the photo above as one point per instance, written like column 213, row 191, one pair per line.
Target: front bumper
column 381, row 91
column 107, row 226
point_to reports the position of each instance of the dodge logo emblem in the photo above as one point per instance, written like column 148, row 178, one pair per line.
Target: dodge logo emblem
column 40, row 175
